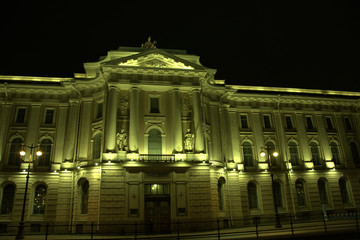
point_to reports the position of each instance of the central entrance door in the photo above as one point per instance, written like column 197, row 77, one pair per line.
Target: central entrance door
column 157, row 208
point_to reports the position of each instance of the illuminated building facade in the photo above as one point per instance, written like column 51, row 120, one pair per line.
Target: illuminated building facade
column 149, row 135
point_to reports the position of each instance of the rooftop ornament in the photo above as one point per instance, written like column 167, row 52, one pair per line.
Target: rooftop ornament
column 149, row 44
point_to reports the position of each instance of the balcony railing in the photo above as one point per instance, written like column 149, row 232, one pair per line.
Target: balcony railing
column 157, row 157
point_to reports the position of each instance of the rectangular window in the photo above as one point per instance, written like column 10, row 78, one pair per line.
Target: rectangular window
column 348, row 124
column 20, row 115
column 309, row 123
column 289, row 123
column 49, row 116
column 99, row 111
column 154, row 105
column 267, row 122
column 329, row 123
column 244, row 121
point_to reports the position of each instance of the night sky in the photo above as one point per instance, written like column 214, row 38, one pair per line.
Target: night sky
column 307, row 44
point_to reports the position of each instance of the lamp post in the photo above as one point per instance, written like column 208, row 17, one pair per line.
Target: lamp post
column 275, row 154
column 20, row 233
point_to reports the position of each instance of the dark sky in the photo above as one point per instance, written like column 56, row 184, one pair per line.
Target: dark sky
column 304, row 44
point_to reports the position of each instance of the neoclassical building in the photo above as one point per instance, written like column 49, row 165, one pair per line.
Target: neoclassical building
column 149, row 135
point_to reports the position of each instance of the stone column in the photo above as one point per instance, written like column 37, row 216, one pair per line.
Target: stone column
column 303, row 139
column 259, row 136
column 176, row 121
column 71, row 130
column 346, row 159
column 215, row 132
column 85, row 129
column 197, row 114
column 324, row 142
column 60, row 134
column 134, row 120
column 33, row 127
column 5, row 116
column 234, row 135
column 111, row 118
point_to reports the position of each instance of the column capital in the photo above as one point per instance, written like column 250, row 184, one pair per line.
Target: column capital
column 134, row 89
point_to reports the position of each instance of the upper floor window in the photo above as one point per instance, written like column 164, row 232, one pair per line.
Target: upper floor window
column 20, row 115
column 335, row 153
column 154, row 105
column 309, row 123
column 348, row 124
column 7, row 201
column 45, row 147
column 99, row 110
column 329, row 123
column 315, row 153
column 248, row 154
column 267, row 122
column 39, row 203
column 270, row 146
column 355, row 153
column 244, row 121
column 155, row 142
column 97, row 146
column 289, row 122
column 49, row 116
column 14, row 152
column 294, row 153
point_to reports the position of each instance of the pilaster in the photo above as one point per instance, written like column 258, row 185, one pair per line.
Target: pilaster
column 134, row 120
column 215, row 132
column 85, row 129
column 72, row 122
column 111, row 117
column 176, row 121
column 197, row 115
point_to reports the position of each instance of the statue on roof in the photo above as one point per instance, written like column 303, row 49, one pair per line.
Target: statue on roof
column 149, row 44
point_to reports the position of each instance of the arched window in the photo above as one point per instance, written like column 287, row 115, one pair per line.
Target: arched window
column 248, row 154
column 344, row 191
column 278, row 194
column 84, row 197
column 45, row 148
column 154, row 144
column 300, row 193
column 97, row 146
column 14, row 152
column 252, row 195
column 39, row 203
column 335, row 152
column 294, row 153
column 323, row 193
column 7, row 201
column 355, row 153
column 271, row 149
column 315, row 154
column 221, row 183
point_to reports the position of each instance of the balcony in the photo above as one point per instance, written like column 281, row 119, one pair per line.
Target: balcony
column 157, row 158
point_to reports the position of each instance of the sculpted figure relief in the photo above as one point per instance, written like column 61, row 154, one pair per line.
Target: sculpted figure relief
column 121, row 140
column 189, row 141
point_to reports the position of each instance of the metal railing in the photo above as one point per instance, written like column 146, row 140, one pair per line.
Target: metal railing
column 257, row 226
column 156, row 157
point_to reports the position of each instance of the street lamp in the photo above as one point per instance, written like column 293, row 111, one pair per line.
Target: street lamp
column 275, row 154
column 20, row 234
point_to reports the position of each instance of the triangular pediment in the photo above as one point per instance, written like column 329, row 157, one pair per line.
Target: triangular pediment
column 154, row 59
